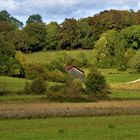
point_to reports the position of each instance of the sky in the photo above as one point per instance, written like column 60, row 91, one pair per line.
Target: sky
column 58, row 10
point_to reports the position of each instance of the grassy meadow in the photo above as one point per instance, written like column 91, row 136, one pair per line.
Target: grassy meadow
column 97, row 128
column 118, row 118
column 10, row 84
column 119, row 90
column 46, row 56
column 112, row 75
column 125, row 94
column 116, row 79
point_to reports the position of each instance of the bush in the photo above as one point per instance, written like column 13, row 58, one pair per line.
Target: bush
column 57, row 76
column 2, row 89
column 38, row 85
column 57, row 64
column 57, row 96
column 56, row 88
column 34, row 70
column 27, row 88
column 82, row 60
column 95, row 82
column 71, row 91
column 135, row 61
column 74, row 87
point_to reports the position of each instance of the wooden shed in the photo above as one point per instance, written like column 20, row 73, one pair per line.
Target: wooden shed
column 75, row 72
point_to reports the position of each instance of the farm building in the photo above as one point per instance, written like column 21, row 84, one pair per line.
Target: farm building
column 75, row 72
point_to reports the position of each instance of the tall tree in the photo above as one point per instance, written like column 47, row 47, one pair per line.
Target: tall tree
column 112, row 19
column 5, row 16
column 34, row 18
column 132, row 36
column 86, row 38
column 52, row 34
column 8, row 64
column 109, row 49
column 36, row 33
column 69, row 35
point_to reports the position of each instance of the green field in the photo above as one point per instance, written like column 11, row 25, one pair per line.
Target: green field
column 46, row 56
column 94, row 128
column 115, row 94
column 10, row 84
column 16, row 85
column 125, row 94
column 22, row 98
column 121, row 78
column 113, row 77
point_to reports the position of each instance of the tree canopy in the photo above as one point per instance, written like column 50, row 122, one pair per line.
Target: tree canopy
column 5, row 16
column 34, row 18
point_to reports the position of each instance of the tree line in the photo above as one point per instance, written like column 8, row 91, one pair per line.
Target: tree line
column 71, row 34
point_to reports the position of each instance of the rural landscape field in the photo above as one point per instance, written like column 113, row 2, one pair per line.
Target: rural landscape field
column 38, row 118
column 74, row 80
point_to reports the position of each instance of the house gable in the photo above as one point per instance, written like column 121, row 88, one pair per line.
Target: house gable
column 75, row 72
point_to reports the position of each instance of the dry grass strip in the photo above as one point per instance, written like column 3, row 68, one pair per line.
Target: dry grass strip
column 44, row 110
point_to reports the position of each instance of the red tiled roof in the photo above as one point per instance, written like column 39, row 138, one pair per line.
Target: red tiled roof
column 67, row 68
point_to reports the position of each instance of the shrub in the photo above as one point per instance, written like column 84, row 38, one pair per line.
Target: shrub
column 122, row 67
column 56, row 96
column 56, row 88
column 82, row 60
column 38, row 85
column 34, row 70
column 74, row 90
column 71, row 91
column 74, row 87
column 58, row 64
column 2, row 89
column 27, row 88
column 57, row 76
column 95, row 82
column 135, row 61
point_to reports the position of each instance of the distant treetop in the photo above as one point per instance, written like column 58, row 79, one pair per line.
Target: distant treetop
column 34, row 18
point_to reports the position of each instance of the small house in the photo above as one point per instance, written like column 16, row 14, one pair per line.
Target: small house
column 75, row 72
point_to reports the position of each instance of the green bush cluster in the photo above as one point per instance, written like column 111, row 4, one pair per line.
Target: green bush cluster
column 95, row 82
column 73, row 89
column 38, row 86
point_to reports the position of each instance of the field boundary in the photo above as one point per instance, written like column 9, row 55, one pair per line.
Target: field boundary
column 47, row 110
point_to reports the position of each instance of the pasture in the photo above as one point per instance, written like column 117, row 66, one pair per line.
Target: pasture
column 88, row 128
column 10, row 84
column 116, row 80
column 125, row 94
column 118, row 118
column 46, row 56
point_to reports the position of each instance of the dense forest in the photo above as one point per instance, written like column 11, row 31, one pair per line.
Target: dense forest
column 114, row 35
